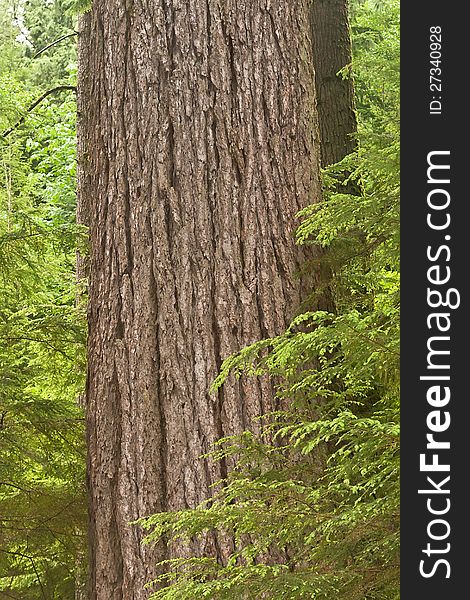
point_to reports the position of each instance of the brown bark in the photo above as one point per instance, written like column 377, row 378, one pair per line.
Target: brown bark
column 198, row 144
column 335, row 95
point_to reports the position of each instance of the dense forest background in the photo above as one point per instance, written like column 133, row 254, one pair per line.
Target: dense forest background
column 312, row 502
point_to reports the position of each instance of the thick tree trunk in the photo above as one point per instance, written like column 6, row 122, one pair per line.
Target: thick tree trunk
column 335, row 95
column 198, row 144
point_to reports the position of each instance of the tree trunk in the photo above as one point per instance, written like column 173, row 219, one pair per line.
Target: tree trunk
column 198, row 145
column 335, row 95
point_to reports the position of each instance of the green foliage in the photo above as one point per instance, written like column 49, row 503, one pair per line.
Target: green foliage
column 46, row 21
column 335, row 529
column 314, row 511
column 42, row 495
column 82, row 6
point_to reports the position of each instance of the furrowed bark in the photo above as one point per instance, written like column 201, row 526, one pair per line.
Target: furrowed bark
column 198, row 144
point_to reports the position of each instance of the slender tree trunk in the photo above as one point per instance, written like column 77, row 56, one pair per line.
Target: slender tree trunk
column 332, row 52
column 198, row 145
column 335, row 95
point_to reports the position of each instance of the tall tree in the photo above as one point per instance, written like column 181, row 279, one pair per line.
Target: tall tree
column 340, row 523
column 197, row 147
column 335, row 92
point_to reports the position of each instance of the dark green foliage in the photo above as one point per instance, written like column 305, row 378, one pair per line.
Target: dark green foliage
column 313, row 505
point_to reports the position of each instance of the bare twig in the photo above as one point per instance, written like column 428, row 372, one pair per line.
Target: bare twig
column 33, row 564
column 63, row 37
column 59, row 88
